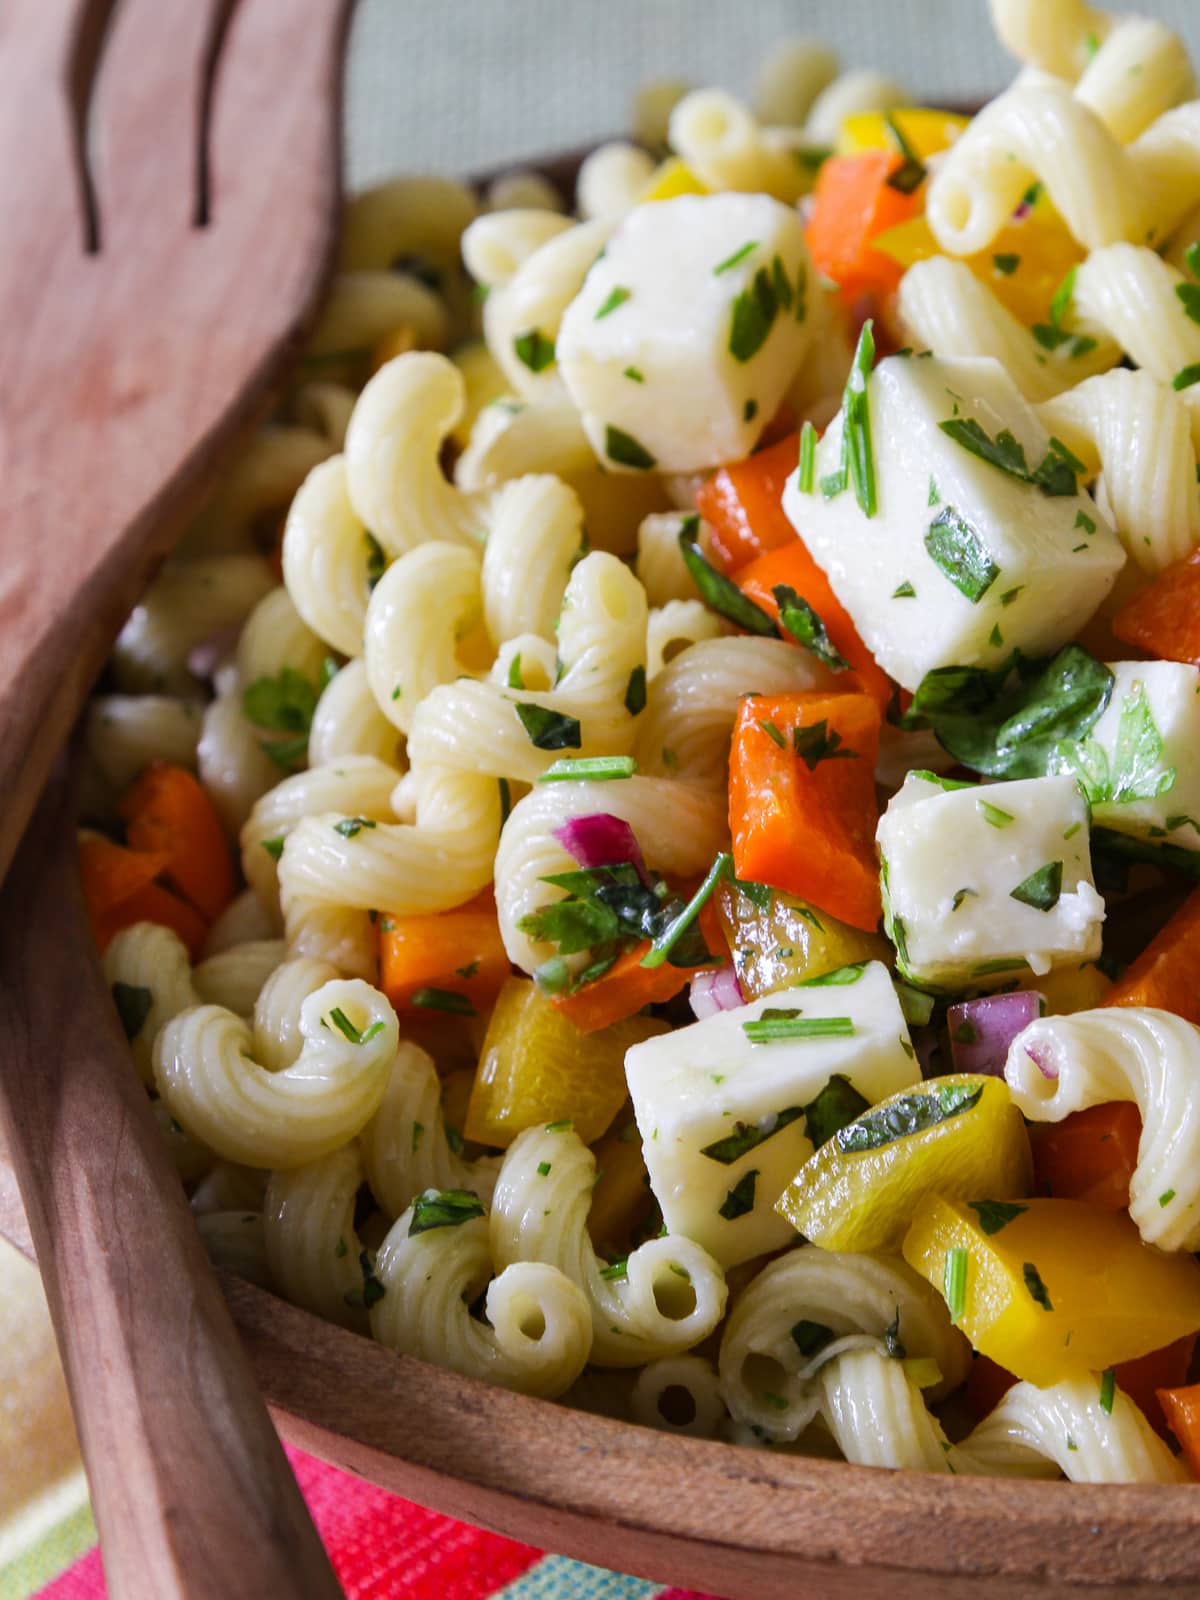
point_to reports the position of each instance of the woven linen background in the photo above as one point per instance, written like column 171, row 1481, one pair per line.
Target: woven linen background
column 460, row 85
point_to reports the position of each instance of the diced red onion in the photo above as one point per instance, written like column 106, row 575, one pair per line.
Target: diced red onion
column 601, row 840
column 715, row 991
column 1042, row 1060
column 982, row 1030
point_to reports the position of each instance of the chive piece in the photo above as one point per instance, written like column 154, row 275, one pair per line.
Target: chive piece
column 627, row 451
column 347, row 1029
column 808, row 458
column 350, row 827
column 505, row 800
column 954, row 1283
column 778, row 1024
column 1041, row 889
column 740, row 1198
column 738, row 255
column 839, row 978
column 996, row 1214
column 564, row 1126
column 1006, row 264
column 451, row 1000
column 274, row 847
column 1037, row 1289
column 1108, row 1389
column 1191, row 258
column 1166, row 1197
column 963, row 894
column 904, row 591
column 534, row 350
column 134, row 1004
column 773, row 733
column 549, row 730
column 617, row 297
column 444, row 1208
column 596, row 769
column 658, row 952
column 959, row 553
column 543, row 1169
column 635, row 691
column 376, row 561
column 993, row 815
column 856, row 429
column 806, row 627
column 634, row 374
column 515, row 680
column 1186, row 377
column 717, row 591
column 616, row 1271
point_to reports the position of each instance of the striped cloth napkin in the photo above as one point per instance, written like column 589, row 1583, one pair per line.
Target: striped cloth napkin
column 386, row 1548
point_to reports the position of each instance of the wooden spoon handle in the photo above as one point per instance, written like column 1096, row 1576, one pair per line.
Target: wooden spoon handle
column 191, row 1490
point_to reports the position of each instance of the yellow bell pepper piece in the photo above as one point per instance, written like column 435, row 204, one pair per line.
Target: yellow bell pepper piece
column 959, row 1135
column 674, row 177
column 1052, row 1289
column 779, row 941
column 621, row 1200
column 1069, row 989
column 536, row 1067
column 926, row 131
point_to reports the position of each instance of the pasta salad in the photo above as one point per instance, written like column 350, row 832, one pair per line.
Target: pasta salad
column 645, row 842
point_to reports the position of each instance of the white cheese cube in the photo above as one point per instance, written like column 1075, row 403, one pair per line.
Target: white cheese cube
column 722, row 1118
column 963, row 561
column 986, row 882
column 1140, row 764
column 688, row 331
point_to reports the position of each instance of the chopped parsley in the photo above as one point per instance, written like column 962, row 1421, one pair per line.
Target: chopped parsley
column 604, row 910
column 906, row 1115
column 904, row 591
column 376, row 560
column 806, row 627
column 635, row 691
column 1055, row 475
column 1186, row 377
column 350, row 827
column 617, row 297
column 740, row 1198
column 1041, row 889
column 549, row 730
column 1166, row 1197
column 1082, row 520
column 1135, row 770
column 959, row 553
column 134, row 1004
column 1006, row 264
column 443, row 1208
column 284, row 705
column 746, row 1136
column 1189, row 297
column 996, row 1214
column 1108, row 1390
column 963, row 894
column 750, row 411
column 665, row 941
column 543, row 1169
column 274, row 847
column 717, row 591
column 1037, row 1289
column 810, row 1338
column 837, row 1105
column 627, row 451
column 912, row 172
column 634, row 374
column 818, row 742
column 534, row 350
column 429, row 999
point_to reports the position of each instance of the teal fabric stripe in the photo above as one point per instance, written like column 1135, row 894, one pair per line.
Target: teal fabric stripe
column 556, row 1578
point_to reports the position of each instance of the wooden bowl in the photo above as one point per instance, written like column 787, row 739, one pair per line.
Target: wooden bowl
column 730, row 1521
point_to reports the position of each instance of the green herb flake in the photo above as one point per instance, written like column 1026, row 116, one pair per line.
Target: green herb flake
column 858, row 460
column 616, row 297
column 993, row 815
column 996, row 1214
column 1108, row 1390
column 904, row 591
column 549, row 730
column 1041, row 889
column 351, row 827
column 837, row 1105
column 1166, row 1197
column 1009, row 595
column 738, row 255
column 810, row 1338
column 1037, row 1289
column 451, row 1000
column 515, row 680
column 1006, row 264
column 995, row 638
column 911, row 173
column 1082, row 520
column 564, row 1126
column 717, row 591
column 627, row 451
column 1189, row 298
column 274, row 847
column 780, row 1024
column 935, row 494
column 954, row 1282
column 341, row 1249
column 959, row 553
column 806, row 627
column 754, row 314
column 740, row 1199
column 635, row 691
column 134, row 1004
column 750, row 411
column 747, row 1136
column 1054, row 475
column 1135, row 770
column 666, row 941
column 534, row 350
column 543, row 1169
column 591, row 769
column 818, row 742
column 839, row 978
column 443, row 1208
column 808, row 458
column 283, row 704
column 1186, row 377
column 906, row 1115
column 634, row 374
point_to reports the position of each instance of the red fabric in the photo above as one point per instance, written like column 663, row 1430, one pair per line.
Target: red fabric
column 382, row 1547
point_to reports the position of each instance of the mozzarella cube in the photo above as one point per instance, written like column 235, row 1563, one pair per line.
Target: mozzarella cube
column 984, row 882
column 687, row 331
column 1140, row 764
column 963, row 561
column 722, row 1119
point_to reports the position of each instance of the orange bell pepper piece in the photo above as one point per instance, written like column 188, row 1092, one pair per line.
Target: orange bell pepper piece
column 1181, row 1408
column 1163, row 619
column 742, row 504
column 1167, row 973
column 624, row 989
column 458, row 952
column 852, row 204
column 168, row 812
column 1090, row 1155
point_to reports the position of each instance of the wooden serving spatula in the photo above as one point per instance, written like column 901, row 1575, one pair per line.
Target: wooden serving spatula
column 169, row 188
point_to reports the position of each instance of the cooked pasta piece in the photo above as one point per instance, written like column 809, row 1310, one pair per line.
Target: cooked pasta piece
column 660, row 566
column 148, row 969
column 364, row 306
column 312, row 1249
column 790, row 78
column 405, row 1146
column 244, row 920
column 523, row 189
column 326, row 553
column 670, row 629
column 232, row 756
column 1062, row 1064
column 325, row 407
column 810, row 1306
column 258, row 487
column 406, row 218
column 187, row 603
column 347, row 721
column 726, row 148
column 125, row 732
column 496, row 247
column 234, row 978
column 612, row 180
column 205, row 1072
column 847, row 96
column 666, row 1297
column 679, row 1394
column 538, row 1330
